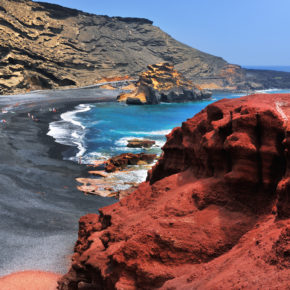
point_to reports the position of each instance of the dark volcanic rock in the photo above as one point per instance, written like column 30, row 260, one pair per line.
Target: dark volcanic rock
column 48, row 46
column 162, row 83
column 123, row 160
column 214, row 213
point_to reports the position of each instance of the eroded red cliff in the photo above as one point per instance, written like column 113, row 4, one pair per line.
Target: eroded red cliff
column 214, row 212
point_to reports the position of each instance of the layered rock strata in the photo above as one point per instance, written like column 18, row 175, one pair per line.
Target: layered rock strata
column 162, row 83
column 45, row 46
column 214, row 212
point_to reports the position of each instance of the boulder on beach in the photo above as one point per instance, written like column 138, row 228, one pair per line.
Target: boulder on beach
column 140, row 143
column 123, row 160
column 214, row 212
column 94, row 186
column 162, row 83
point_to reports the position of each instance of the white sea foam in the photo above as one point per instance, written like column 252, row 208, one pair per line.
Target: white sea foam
column 266, row 91
column 71, row 115
column 124, row 141
column 144, row 133
column 159, row 143
column 126, row 179
column 69, row 130
column 151, row 133
column 92, row 156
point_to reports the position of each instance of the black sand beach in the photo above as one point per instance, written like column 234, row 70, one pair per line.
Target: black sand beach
column 40, row 205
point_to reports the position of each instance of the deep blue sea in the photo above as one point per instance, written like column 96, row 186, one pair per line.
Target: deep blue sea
column 285, row 68
column 101, row 130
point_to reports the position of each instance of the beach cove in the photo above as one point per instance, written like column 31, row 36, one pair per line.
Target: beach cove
column 40, row 204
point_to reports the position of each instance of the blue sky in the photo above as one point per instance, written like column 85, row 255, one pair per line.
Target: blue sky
column 245, row 32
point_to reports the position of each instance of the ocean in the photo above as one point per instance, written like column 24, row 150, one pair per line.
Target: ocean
column 269, row 67
column 101, row 130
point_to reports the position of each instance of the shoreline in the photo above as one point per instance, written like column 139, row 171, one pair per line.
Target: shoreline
column 40, row 204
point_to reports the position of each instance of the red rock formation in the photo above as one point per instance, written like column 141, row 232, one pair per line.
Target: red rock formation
column 213, row 214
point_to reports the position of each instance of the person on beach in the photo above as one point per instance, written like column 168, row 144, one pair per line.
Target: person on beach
column 3, row 121
column 80, row 160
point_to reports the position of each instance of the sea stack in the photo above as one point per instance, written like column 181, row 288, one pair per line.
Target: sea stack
column 214, row 212
column 162, row 83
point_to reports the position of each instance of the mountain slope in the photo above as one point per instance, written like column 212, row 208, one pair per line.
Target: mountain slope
column 47, row 46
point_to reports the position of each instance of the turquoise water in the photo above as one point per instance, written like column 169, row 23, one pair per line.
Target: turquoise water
column 101, row 130
column 108, row 126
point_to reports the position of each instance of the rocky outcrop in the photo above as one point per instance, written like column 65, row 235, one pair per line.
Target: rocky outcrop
column 140, row 143
column 162, row 83
column 213, row 213
column 45, row 46
column 123, row 160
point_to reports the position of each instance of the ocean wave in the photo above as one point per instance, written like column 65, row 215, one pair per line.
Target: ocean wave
column 91, row 157
column 122, row 142
column 266, row 91
column 152, row 133
column 125, row 180
column 69, row 130
column 144, row 133
column 70, row 116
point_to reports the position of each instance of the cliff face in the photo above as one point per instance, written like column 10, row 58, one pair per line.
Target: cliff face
column 214, row 212
column 48, row 46
column 162, row 83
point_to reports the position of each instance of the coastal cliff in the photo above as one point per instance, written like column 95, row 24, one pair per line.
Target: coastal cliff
column 44, row 46
column 213, row 213
column 162, row 83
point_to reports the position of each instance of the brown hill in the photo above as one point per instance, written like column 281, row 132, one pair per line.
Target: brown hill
column 49, row 46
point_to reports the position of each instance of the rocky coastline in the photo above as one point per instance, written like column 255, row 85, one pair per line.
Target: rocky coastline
column 213, row 213
column 162, row 83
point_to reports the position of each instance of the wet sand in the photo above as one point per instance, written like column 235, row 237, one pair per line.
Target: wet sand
column 39, row 203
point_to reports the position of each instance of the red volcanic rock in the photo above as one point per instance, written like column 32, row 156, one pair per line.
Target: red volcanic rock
column 213, row 214
column 121, row 161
